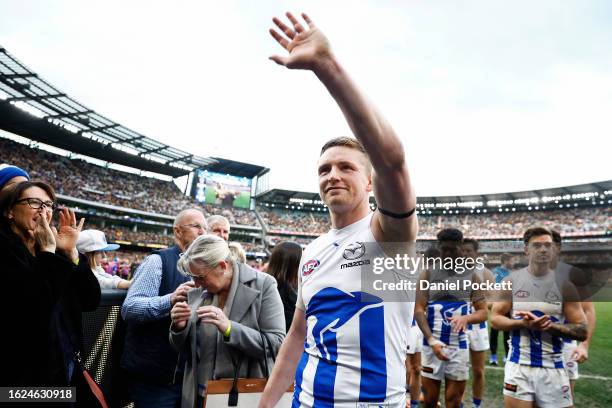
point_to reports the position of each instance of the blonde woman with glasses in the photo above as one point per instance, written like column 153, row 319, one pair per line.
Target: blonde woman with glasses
column 226, row 319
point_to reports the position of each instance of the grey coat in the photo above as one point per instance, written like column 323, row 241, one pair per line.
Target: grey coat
column 253, row 305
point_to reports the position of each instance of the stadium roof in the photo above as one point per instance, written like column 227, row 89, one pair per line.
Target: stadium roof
column 599, row 187
column 281, row 196
column 235, row 168
column 603, row 188
column 32, row 108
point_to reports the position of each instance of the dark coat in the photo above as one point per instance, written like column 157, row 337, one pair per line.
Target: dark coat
column 289, row 297
column 32, row 286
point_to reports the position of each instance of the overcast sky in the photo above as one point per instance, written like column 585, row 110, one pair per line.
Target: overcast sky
column 487, row 96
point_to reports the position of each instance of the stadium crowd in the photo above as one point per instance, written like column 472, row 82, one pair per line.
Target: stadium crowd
column 80, row 179
column 119, row 233
column 577, row 221
column 294, row 221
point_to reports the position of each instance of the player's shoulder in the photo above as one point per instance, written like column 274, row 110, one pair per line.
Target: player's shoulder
column 317, row 243
column 516, row 275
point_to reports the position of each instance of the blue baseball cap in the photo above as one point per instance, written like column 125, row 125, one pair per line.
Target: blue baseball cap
column 7, row 172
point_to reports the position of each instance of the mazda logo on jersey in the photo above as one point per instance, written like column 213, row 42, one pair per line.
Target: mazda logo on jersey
column 309, row 267
column 354, row 251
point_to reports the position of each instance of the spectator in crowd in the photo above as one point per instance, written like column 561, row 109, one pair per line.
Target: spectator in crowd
column 219, row 226
column 10, row 175
column 237, row 252
column 92, row 243
column 44, row 261
column 227, row 321
column 155, row 376
column 500, row 272
column 283, row 266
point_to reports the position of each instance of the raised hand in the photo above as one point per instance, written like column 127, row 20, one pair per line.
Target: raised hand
column 213, row 315
column 44, row 236
column 459, row 323
column 180, row 315
column 68, row 232
column 308, row 48
column 180, row 293
column 534, row 322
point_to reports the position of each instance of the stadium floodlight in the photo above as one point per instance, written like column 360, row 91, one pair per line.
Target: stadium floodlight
column 124, row 149
column 3, row 95
column 26, row 107
column 64, row 125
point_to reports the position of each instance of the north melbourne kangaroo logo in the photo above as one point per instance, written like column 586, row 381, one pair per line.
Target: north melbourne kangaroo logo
column 354, row 251
column 332, row 309
column 449, row 310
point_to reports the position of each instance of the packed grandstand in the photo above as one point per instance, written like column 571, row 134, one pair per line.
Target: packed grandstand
column 273, row 219
column 77, row 178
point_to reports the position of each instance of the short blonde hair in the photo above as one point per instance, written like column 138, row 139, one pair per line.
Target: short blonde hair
column 207, row 250
column 351, row 143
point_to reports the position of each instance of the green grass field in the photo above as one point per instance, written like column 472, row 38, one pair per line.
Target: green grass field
column 591, row 393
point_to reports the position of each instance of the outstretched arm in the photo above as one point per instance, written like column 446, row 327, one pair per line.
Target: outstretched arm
column 309, row 49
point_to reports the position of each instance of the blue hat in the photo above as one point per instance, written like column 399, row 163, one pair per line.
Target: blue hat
column 7, row 172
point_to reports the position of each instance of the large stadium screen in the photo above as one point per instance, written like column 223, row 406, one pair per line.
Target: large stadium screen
column 222, row 189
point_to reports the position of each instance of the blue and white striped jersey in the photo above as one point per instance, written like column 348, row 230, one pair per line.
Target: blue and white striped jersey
column 438, row 317
column 539, row 295
column 355, row 347
column 444, row 304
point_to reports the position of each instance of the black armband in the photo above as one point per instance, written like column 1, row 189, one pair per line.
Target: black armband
column 396, row 215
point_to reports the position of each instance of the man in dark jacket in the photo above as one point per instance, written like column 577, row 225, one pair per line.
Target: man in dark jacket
column 148, row 358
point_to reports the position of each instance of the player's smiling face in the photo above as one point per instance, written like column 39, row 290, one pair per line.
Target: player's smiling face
column 344, row 179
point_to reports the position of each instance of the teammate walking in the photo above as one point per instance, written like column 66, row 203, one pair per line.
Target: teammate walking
column 443, row 314
column 543, row 313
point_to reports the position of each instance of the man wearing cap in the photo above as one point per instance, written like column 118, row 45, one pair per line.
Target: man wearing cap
column 10, row 175
column 150, row 361
column 92, row 243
